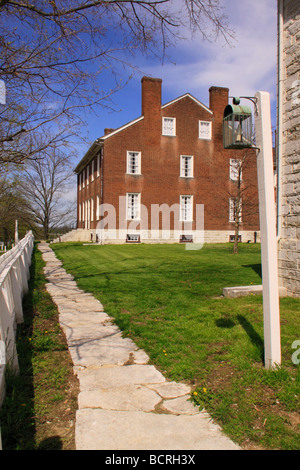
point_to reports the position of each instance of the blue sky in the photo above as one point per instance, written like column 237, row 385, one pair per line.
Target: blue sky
column 245, row 66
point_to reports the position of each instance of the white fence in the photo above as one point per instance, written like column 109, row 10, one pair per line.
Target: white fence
column 14, row 276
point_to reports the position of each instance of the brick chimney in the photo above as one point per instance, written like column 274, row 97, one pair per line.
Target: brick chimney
column 151, row 97
column 108, row 130
column 218, row 100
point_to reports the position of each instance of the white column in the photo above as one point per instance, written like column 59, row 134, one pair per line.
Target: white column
column 89, row 214
column 92, row 209
column 267, row 215
column 86, row 208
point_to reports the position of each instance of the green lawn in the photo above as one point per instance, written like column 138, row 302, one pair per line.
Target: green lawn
column 169, row 301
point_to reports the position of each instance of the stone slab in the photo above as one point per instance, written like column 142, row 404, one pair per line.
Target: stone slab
column 136, row 430
column 99, row 352
column 241, row 291
column 77, row 338
column 124, row 398
column 75, row 319
column 104, row 377
column 171, row 389
column 140, row 357
column 180, row 406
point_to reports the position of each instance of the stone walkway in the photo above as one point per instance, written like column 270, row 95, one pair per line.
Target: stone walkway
column 124, row 403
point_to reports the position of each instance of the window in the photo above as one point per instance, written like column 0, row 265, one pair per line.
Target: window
column 79, row 213
column 186, row 166
column 133, row 238
column 93, row 170
column 134, row 163
column 79, row 181
column 133, row 206
column 205, row 130
column 232, row 238
column 169, row 126
column 186, row 208
column 87, row 175
column 235, row 171
column 98, row 165
column 235, row 207
column 83, row 179
column 186, row 239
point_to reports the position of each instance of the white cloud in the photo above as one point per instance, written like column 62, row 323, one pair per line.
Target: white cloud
column 245, row 67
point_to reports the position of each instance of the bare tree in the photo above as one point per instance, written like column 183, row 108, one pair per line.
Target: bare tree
column 240, row 194
column 12, row 207
column 45, row 183
column 53, row 54
column 236, row 201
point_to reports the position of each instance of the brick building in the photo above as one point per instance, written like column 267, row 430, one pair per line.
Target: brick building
column 165, row 177
column 288, row 145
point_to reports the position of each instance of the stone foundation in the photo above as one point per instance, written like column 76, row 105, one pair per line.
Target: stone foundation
column 120, row 237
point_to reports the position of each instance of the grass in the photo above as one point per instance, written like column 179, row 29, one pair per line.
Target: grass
column 38, row 412
column 169, row 301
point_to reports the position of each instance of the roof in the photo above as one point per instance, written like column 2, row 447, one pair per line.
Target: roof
column 237, row 110
column 99, row 142
column 116, row 131
column 88, row 156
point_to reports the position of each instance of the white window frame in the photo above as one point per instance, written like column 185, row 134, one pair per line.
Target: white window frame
column 208, row 131
column 138, row 155
column 79, row 181
column 173, row 131
column 235, row 165
column 79, row 212
column 231, row 210
column 83, row 178
column 186, row 169
column 186, row 214
column 130, row 206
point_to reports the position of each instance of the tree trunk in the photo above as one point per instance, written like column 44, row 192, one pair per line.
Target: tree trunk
column 236, row 235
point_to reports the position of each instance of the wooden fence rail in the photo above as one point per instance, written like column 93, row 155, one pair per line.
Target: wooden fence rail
column 14, row 276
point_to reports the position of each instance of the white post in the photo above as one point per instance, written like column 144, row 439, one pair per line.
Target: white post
column 16, row 233
column 267, row 215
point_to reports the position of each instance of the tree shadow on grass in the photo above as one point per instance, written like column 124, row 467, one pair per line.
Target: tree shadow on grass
column 256, row 268
column 255, row 338
column 225, row 322
column 51, row 443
